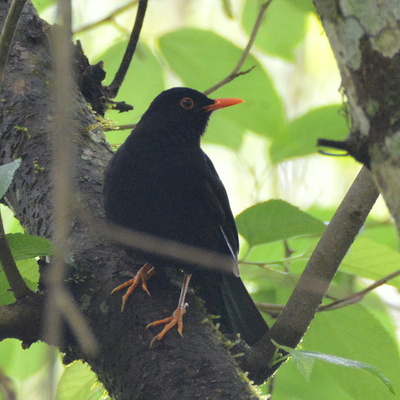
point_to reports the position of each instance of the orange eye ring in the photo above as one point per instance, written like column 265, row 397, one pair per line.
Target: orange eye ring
column 187, row 103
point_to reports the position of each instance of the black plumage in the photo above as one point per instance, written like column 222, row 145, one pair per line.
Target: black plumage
column 161, row 183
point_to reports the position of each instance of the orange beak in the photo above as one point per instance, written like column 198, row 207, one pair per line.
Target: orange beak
column 222, row 103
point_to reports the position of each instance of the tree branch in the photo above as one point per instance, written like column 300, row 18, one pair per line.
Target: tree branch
column 23, row 319
column 113, row 88
column 307, row 296
column 356, row 297
column 275, row 309
column 14, row 278
column 7, row 34
column 236, row 71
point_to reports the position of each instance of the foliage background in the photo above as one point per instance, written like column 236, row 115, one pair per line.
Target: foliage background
column 264, row 149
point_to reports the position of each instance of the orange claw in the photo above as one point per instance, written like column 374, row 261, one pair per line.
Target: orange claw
column 142, row 276
column 175, row 319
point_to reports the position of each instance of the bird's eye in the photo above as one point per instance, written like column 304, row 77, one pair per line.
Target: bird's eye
column 187, row 103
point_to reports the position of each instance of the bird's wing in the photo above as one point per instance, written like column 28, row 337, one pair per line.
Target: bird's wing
column 218, row 202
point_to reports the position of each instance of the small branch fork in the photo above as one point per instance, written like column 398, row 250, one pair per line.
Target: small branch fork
column 236, row 71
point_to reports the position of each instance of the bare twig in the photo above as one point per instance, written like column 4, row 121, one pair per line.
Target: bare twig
column 236, row 71
column 14, row 278
column 7, row 34
column 113, row 88
column 120, row 127
column 275, row 309
column 356, row 297
column 109, row 18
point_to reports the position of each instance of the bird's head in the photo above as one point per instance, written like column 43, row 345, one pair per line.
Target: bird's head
column 183, row 112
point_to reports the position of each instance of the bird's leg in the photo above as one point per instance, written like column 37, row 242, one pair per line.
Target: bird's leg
column 177, row 316
column 142, row 276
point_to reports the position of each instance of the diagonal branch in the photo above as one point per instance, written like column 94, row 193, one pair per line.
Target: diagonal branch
column 307, row 296
column 356, row 297
column 274, row 309
column 113, row 88
column 236, row 71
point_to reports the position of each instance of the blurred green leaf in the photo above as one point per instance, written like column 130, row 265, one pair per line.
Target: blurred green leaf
column 368, row 259
column 346, row 362
column 20, row 363
column 282, row 30
column 40, row 5
column 276, row 220
column 303, row 132
column 143, row 82
column 350, row 332
column 203, row 58
column 304, row 5
column 25, row 246
column 6, row 175
column 78, row 382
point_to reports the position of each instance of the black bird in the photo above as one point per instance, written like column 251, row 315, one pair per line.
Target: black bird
column 161, row 183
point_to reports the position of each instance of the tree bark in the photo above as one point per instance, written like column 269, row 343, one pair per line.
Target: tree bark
column 365, row 38
column 197, row 366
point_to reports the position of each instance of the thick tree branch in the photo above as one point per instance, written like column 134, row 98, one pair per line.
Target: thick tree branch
column 23, row 320
column 367, row 51
column 308, row 294
column 125, row 364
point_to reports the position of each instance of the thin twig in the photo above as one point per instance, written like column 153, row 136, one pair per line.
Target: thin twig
column 113, row 88
column 7, row 34
column 275, row 309
column 236, row 71
column 119, row 127
column 109, row 18
column 14, row 278
column 356, row 297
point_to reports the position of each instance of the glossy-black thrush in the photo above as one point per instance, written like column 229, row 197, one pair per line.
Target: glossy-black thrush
column 161, row 183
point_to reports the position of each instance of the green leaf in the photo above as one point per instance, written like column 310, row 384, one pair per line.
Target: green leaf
column 78, row 382
column 368, row 259
column 7, row 174
column 303, row 132
column 143, row 82
column 304, row 5
column 201, row 59
column 346, row 362
column 20, row 363
column 25, row 246
column 303, row 363
column 41, row 5
column 282, row 30
column 276, row 220
column 351, row 332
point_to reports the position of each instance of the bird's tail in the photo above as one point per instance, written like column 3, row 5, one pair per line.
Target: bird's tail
column 226, row 296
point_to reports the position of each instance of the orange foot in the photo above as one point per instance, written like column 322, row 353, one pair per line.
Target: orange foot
column 176, row 319
column 142, row 276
